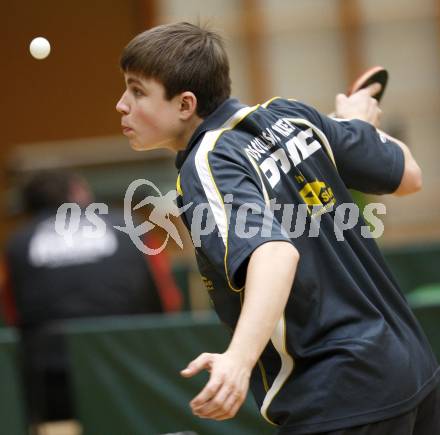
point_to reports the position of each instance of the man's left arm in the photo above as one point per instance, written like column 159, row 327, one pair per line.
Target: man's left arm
column 269, row 279
column 411, row 180
column 361, row 105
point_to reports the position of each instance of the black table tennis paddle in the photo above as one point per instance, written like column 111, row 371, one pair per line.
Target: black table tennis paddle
column 376, row 74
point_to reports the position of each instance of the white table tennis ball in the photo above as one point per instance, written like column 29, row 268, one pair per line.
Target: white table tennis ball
column 39, row 48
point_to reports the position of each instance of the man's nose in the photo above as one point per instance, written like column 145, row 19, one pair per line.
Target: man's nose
column 122, row 106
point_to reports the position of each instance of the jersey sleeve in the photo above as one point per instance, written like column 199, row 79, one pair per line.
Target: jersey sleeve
column 227, row 199
column 366, row 160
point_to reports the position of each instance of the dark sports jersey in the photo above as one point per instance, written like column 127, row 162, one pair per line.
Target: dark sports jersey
column 347, row 350
column 52, row 280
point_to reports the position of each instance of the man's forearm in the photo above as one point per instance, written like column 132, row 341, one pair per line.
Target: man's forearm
column 269, row 279
column 412, row 175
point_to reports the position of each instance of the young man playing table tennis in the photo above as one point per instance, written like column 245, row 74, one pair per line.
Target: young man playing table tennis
column 322, row 332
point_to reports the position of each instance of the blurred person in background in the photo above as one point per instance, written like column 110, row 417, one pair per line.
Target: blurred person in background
column 49, row 278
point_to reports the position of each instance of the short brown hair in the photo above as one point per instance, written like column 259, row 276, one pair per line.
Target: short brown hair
column 183, row 57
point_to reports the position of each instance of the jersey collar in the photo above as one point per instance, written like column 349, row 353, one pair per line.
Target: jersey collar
column 212, row 122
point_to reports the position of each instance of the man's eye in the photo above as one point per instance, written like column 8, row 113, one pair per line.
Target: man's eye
column 137, row 92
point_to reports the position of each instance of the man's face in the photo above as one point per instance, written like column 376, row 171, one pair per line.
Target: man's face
column 149, row 120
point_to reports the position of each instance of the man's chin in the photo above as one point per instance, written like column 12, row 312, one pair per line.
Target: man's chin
column 167, row 143
column 140, row 147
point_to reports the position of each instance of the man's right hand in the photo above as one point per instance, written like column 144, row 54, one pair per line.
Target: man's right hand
column 360, row 105
column 226, row 390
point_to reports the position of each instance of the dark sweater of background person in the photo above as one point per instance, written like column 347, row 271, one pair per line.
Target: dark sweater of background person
column 50, row 280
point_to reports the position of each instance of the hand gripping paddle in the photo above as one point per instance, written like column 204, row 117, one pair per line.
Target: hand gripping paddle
column 376, row 74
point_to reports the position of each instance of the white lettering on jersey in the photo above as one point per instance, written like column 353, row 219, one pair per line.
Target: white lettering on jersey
column 270, row 170
column 283, row 127
column 49, row 249
column 299, row 148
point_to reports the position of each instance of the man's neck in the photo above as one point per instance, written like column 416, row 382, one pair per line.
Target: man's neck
column 181, row 142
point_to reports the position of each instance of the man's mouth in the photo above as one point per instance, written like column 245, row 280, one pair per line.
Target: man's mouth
column 126, row 129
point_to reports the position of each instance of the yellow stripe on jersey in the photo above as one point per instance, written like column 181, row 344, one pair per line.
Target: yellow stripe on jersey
column 269, row 101
column 209, row 185
column 263, row 375
column 178, row 186
column 275, row 98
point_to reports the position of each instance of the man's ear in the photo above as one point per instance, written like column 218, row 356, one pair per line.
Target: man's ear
column 188, row 105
